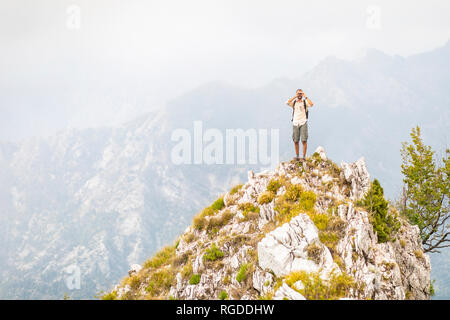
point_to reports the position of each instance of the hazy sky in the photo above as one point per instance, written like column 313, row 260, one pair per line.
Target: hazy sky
column 93, row 62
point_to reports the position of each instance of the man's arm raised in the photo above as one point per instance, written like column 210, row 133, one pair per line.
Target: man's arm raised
column 310, row 103
column 290, row 102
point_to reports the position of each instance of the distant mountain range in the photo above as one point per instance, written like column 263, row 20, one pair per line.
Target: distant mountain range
column 101, row 199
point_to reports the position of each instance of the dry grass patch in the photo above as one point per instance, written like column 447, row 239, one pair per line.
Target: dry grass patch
column 235, row 189
column 293, row 202
column 314, row 288
column 163, row 257
column 214, row 223
column 186, row 272
column 419, row 254
column 266, row 197
column 314, row 252
column 249, row 211
column 160, row 281
column 274, row 185
column 331, row 229
column 200, row 221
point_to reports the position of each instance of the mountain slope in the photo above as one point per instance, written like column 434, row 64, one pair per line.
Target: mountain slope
column 95, row 200
column 293, row 233
column 104, row 198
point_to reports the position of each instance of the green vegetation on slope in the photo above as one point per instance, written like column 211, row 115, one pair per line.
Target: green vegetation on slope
column 384, row 223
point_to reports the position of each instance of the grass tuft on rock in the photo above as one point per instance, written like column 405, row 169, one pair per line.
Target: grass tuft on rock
column 331, row 229
column 315, row 288
column 223, row 295
column 293, row 202
column 235, row 189
column 195, row 279
column 160, row 281
column 266, row 197
column 213, row 253
column 273, row 186
column 242, row 273
column 200, row 221
column 249, row 211
column 162, row 257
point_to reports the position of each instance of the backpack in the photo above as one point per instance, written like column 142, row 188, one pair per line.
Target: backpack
column 304, row 106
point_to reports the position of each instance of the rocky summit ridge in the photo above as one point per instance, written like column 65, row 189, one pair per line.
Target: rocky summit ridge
column 297, row 232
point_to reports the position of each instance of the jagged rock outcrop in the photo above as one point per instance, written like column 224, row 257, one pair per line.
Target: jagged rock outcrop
column 357, row 175
column 293, row 233
column 284, row 249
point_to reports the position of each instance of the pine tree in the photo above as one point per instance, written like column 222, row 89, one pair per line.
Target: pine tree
column 384, row 223
column 426, row 192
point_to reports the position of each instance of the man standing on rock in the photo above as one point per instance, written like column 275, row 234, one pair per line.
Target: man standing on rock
column 300, row 104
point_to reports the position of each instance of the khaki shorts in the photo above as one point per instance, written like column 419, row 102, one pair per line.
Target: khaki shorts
column 300, row 132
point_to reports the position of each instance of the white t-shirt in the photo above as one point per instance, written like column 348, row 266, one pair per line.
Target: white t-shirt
column 299, row 111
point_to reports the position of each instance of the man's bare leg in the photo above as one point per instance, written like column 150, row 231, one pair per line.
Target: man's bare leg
column 305, row 146
column 297, row 148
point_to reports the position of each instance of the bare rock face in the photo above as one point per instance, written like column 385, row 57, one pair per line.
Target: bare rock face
column 386, row 269
column 285, row 249
column 262, row 281
column 257, row 254
column 357, row 175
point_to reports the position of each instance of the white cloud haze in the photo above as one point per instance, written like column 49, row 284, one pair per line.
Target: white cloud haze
column 131, row 56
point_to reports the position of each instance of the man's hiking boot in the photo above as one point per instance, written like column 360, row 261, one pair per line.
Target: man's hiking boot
column 296, row 159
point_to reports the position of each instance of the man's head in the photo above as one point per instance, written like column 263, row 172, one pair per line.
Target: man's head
column 299, row 93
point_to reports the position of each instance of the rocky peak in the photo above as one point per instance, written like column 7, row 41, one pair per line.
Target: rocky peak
column 293, row 233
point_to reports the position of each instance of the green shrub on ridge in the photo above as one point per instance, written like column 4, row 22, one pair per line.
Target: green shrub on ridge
column 384, row 223
column 213, row 253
